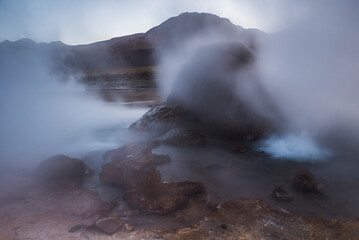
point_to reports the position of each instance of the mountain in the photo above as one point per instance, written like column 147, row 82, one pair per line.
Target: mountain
column 134, row 56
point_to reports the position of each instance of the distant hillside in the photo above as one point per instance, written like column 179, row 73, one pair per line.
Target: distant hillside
column 132, row 58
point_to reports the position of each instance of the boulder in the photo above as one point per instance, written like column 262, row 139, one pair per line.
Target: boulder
column 133, row 168
column 305, row 181
column 60, row 172
column 132, row 165
column 163, row 118
column 282, row 195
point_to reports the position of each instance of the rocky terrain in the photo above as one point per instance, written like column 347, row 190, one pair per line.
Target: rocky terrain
column 42, row 206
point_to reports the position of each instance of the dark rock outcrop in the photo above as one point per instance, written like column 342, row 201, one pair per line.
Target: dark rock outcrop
column 162, row 118
column 61, row 172
column 132, row 168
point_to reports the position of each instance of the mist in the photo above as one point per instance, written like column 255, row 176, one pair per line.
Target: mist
column 44, row 113
column 311, row 73
column 303, row 81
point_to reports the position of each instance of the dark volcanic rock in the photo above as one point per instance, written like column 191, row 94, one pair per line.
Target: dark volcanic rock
column 183, row 137
column 109, row 225
column 132, row 165
column 163, row 118
column 305, row 181
column 61, row 172
column 282, row 195
column 133, row 168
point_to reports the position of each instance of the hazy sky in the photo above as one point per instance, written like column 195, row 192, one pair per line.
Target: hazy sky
column 85, row 21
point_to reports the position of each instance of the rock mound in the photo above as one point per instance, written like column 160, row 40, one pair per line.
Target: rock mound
column 61, row 172
column 133, row 168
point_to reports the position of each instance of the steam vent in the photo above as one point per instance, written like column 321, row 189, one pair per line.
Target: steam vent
column 200, row 128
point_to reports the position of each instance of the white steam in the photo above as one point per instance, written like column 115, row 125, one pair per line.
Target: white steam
column 298, row 147
column 43, row 114
column 311, row 72
column 306, row 79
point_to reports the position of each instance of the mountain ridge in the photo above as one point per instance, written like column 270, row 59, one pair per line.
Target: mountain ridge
column 135, row 51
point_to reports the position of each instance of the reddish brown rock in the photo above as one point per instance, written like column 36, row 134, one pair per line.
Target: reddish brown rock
column 162, row 198
column 132, row 165
column 109, row 225
column 133, row 168
column 304, row 181
column 61, row 172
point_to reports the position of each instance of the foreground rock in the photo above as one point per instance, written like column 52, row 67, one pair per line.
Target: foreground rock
column 133, row 168
column 305, row 181
column 61, row 172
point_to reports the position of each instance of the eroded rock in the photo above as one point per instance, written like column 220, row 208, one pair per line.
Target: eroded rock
column 133, row 168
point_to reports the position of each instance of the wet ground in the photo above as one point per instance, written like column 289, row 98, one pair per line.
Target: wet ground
column 231, row 175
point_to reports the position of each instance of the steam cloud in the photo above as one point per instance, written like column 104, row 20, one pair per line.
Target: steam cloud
column 305, row 80
column 311, row 73
column 43, row 114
